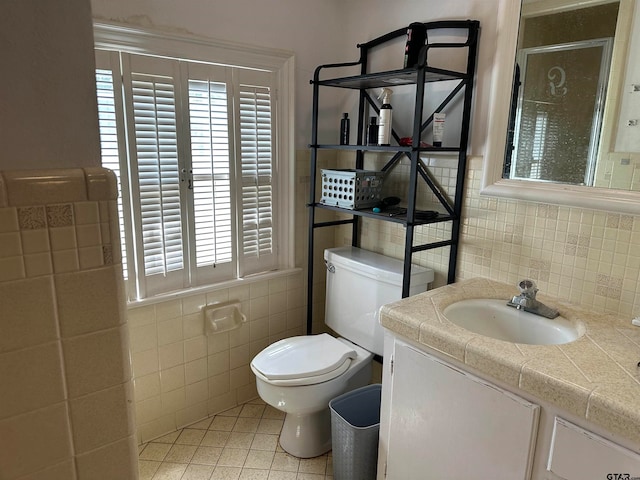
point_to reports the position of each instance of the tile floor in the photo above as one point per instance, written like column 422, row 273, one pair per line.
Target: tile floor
column 239, row 444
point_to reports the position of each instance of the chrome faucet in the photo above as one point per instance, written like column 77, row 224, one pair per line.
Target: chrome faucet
column 527, row 300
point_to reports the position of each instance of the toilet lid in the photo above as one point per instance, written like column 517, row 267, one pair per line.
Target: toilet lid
column 302, row 357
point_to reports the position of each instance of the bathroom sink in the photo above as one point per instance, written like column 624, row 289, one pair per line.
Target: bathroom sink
column 493, row 318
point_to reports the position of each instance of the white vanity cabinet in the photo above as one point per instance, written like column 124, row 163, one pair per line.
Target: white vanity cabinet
column 578, row 454
column 439, row 422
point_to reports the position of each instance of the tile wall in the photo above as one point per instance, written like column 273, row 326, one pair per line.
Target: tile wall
column 589, row 257
column 181, row 375
column 66, row 402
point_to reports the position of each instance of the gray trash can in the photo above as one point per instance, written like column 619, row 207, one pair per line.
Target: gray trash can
column 355, row 423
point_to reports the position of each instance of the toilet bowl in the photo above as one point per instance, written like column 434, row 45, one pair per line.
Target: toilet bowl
column 299, row 376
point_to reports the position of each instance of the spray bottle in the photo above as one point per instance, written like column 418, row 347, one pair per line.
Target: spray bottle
column 384, row 127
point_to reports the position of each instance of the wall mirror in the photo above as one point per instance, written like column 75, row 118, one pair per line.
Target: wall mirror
column 562, row 136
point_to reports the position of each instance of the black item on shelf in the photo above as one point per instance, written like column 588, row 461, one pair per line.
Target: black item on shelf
column 344, row 129
column 416, row 39
column 372, row 132
column 386, row 203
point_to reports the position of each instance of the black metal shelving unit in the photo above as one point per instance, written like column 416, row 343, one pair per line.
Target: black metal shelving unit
column 418, row 76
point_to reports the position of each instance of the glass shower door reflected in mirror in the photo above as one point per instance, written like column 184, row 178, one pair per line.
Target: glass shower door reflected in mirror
column 560, row 101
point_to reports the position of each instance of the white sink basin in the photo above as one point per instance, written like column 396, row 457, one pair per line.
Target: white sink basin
column 493, row 318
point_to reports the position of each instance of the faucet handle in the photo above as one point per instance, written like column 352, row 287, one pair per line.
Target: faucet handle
column 528, row 288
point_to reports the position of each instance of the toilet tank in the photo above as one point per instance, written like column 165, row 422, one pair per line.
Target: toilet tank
column 359, row 282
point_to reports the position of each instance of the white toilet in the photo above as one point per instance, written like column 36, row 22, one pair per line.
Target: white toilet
column 300, row 375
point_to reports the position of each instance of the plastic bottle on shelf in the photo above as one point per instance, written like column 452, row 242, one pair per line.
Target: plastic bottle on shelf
column 386, row 112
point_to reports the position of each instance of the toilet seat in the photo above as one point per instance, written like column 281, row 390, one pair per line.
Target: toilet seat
column 303, row 360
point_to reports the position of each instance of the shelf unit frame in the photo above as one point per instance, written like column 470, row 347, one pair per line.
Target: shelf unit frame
column 418, row 76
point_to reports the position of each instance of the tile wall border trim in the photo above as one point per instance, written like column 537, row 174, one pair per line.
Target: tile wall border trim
column 19, row 188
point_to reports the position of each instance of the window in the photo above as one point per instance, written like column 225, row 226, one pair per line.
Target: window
column 194, row 145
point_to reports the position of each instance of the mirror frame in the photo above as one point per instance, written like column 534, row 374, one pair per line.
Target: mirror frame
column 493, row 184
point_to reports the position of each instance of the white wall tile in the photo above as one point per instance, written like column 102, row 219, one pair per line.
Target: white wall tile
column 99, row 464
column 143, row 337
column 96, row 361
column 171, row 355
column 192, row 325
column 99, row 419
column 138, row 316
column 145, row 363
column 170, row 331
column 12, row 268
column 86, row 300
column 168, row 309
column 195, row 348
column 218, row 363
column 39, row 439
column 196, row 371
column 172, row 378
column 147, row 386
column 28, row 313
column 9, row 219
column 31, row 378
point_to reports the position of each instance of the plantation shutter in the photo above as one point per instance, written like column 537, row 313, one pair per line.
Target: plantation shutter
column 213, row 223
column 152, row 103
column 112, row 144
column 257, row 156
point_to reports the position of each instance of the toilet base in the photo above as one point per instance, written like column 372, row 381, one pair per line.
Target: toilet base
column 306, row 436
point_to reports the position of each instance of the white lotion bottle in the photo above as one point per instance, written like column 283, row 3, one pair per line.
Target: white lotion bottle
column 386, row 112
column 438, row 128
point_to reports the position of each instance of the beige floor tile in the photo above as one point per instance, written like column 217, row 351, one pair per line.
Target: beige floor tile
column 215, row 438
column 259, row 459
column 232, row 412
column 270, row 425
column 198, row 472
column 206, row 455
column 155, row 451
column 147, row 469
column 170, row 471
column 285, row 462
column 246, row 425
column 240, row 440
column 202, row 424
column 233, row 457
column 264, row 441
column 180, row 453
column 277, row 475
column 270, row 412
column 309, row 476
column 190, row 436
column 222, row 423
column 168, row 438
column 253, row 411
column 313, row 465
column 253, row 474
column 226, row 473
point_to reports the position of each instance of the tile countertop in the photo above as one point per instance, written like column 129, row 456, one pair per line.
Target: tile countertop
column 595, row 377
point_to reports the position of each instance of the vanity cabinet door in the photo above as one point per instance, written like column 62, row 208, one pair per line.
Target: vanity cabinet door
column 446, row 424
column 577, row 454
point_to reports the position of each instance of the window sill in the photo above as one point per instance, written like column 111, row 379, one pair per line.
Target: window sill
column 178, row 294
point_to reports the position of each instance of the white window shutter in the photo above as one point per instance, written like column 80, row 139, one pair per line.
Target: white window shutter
column 257, row 171
column 112, row 143
column 153, row 134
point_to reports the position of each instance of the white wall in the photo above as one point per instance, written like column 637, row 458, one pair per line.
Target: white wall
column 48, row 113
column 312, row 29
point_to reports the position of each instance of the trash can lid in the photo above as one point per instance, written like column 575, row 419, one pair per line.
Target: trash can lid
column 305, row 358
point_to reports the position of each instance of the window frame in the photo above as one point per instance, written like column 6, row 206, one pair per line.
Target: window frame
column 280, row 63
